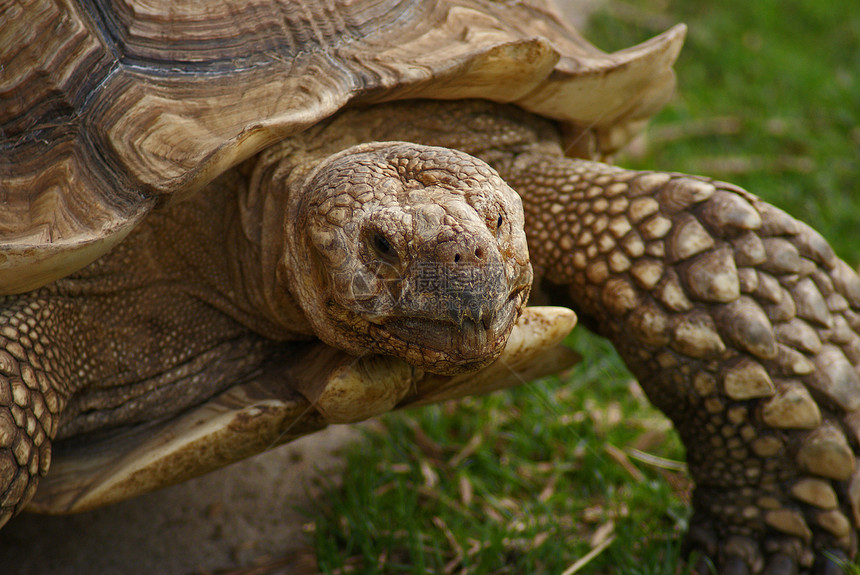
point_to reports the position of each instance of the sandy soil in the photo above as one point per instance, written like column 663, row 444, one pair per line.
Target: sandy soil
column 236, row 517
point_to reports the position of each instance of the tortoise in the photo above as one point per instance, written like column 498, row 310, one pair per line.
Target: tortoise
column 226, row 227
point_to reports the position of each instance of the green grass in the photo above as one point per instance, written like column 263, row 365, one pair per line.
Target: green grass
column 517, row 482
column 767, row 98
column 531, row 480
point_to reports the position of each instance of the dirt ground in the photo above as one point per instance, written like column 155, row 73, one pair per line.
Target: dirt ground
column 242, row 515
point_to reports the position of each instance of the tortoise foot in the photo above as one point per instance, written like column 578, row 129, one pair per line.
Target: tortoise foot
column 731, row 555
column 756, row 554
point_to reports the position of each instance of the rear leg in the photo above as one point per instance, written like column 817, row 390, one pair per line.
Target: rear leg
column 741, row 325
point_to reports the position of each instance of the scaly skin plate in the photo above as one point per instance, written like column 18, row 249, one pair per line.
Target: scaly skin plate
column 312, row 387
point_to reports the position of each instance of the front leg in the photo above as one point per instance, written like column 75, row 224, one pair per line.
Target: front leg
column 741, row 325
column 31, row 397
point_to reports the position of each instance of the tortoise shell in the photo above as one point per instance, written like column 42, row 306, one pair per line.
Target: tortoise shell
column 111, row 107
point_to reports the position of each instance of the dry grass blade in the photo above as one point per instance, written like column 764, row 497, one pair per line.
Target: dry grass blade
column 469, row 449
column 621, row 458
column 466, row 490
column 656, row 460
column 548, row 490
column 459, row 554
column 602, row 534
column 431, row 478
column 588, row 557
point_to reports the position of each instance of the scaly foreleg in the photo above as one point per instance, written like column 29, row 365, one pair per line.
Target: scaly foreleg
column 741, row 325
column 32, row 372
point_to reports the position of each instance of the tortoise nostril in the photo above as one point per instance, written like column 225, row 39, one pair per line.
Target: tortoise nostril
column 479, row 255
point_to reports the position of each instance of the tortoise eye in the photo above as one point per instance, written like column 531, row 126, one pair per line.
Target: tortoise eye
column 499, row 222
column 383, row 248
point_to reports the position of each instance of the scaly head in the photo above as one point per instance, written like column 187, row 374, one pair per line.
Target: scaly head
column 412, row 251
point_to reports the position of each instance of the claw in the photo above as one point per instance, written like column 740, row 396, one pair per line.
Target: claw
column 781, row 565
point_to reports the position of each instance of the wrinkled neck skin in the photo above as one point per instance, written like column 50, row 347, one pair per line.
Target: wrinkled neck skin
column 368, row 234
column 266, row 238
column 259, row 234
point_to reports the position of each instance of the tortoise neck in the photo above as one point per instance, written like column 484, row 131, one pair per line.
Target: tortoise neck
column 255, row 252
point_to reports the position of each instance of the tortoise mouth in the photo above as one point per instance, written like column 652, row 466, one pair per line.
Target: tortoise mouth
column 445, row 346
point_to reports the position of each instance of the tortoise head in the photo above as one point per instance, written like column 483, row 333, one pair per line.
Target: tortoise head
column 407, row 250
